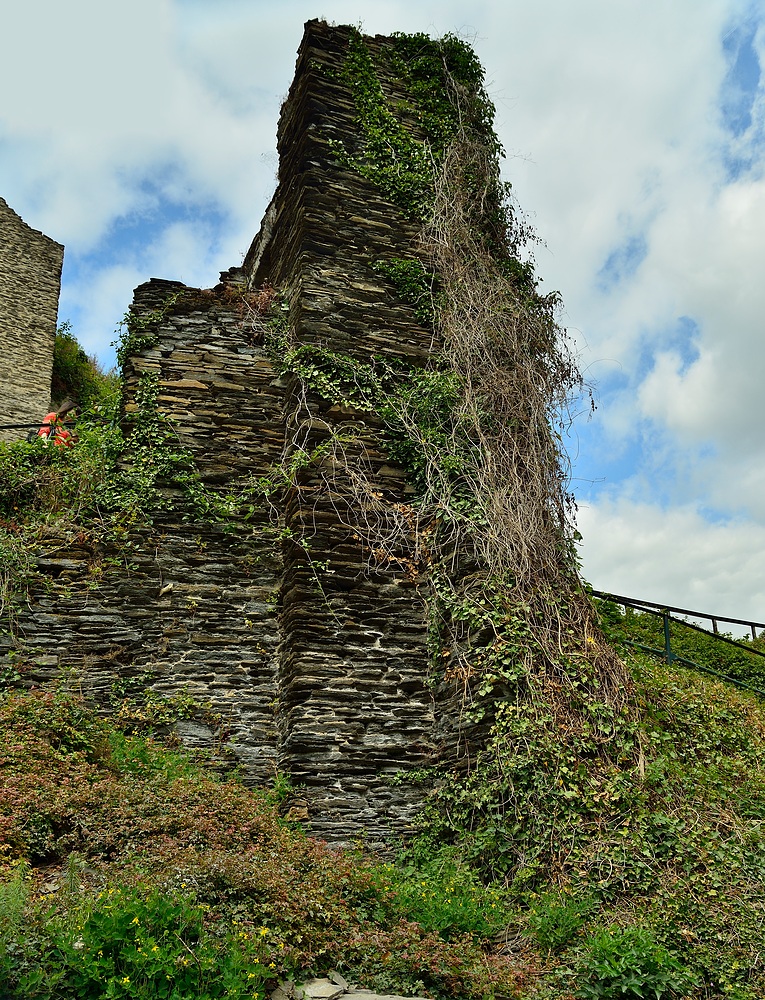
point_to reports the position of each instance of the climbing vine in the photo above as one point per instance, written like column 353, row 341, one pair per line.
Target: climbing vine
column 413, row 283
column 138, row 332
column 402, row 146
column 479, row 429
column 162, row 474
column 123, row 470
column 390, row 156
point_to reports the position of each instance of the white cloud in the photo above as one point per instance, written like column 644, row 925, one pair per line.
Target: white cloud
column 675, row 557
column 111, row 100
column 96, row 303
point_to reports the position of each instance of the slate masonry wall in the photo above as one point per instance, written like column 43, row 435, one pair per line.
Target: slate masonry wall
column 312, row 652
column 30, row 282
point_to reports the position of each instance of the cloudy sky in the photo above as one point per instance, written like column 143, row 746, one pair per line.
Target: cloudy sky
column 141, row 135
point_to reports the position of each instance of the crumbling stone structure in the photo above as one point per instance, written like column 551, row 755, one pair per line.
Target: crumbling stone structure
column 311, row 649
column 30, row 282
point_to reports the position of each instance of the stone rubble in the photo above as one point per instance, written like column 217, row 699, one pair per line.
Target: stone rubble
column 330, row 989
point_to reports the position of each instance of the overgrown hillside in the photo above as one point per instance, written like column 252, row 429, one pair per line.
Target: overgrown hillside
column 127, row 871
column 600, row 834
column 590, row 850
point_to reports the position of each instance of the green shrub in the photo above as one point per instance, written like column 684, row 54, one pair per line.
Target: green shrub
column 14, row 899
column 444, row 895
column 142, row 756
column 37, row 482
column 141, row 945
column 197, row 862
column 630, row 965
column 557, row 920
column 75, row 375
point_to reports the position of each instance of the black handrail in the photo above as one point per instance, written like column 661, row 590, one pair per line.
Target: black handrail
column 633, row 602
column 664, row 612
column 20, row 427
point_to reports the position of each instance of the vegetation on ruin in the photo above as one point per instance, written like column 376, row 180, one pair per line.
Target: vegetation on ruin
column 588, row 802
column 123, row 470
column 76, row 375
column 479, row 428
column 606, row 841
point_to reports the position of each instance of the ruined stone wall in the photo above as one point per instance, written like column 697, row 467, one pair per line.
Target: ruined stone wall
column 182, row 605
column 354, row 664
column 30, row 281
column 310, row 646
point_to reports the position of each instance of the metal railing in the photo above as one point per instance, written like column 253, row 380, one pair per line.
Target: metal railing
column 667, row 612
column 37, row 426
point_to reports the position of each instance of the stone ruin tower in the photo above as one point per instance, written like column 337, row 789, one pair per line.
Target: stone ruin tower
column 306, row 640
column 30, row 282
column 319, row 658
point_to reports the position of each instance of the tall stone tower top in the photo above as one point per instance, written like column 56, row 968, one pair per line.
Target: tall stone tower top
column 30, row 282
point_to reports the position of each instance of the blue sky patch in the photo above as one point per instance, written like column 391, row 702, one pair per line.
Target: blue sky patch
column 597, row 465
column 622, row 263
column 742, row 80
column 154, row 213
column 683, row 339
column 599, row 462
column 739, row 95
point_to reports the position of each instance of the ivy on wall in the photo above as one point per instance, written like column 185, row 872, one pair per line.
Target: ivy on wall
column 479, row 429
column 401, row 147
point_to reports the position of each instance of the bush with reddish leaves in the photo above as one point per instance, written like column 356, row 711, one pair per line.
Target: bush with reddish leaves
column 168, row 832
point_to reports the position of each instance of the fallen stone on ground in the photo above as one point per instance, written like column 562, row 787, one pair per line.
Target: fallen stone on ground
column 329, row 989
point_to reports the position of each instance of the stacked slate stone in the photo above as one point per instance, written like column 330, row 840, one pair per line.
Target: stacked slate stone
column 353, row 664
column 311, row 649
column 30, row 281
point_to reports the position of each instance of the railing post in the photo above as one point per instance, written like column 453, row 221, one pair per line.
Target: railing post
column 754, row 633
column 667, row 640
column 714, row 626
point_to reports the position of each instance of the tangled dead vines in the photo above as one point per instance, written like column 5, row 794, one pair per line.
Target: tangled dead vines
column 480, row 427
column 516, row 377
column 513, row 375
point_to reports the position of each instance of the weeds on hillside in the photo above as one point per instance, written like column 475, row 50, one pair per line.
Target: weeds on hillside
column 625, row 626
column 644, row 883
column 649, row 864
column 176, row 874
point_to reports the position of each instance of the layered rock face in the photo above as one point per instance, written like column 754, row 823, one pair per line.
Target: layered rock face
column 30, row 282
column 353, row 659
column 309, row 645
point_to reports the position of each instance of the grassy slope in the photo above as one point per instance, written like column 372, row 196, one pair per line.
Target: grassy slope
column 655, row 878
column 133, row 818
column 691, row 644
column 632, row 845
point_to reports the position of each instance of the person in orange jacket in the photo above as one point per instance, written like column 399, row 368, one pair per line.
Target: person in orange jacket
column 53, row 428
